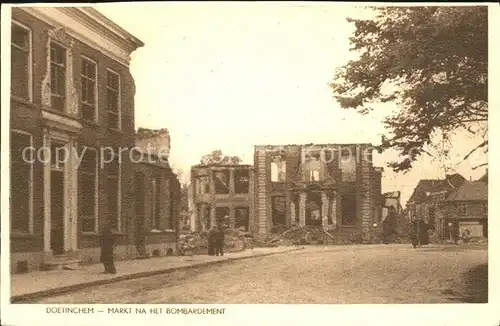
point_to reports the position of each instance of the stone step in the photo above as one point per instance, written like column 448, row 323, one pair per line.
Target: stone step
column 61, row 264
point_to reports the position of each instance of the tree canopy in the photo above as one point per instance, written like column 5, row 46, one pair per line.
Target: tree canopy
column 216, row 157
column 432, row 62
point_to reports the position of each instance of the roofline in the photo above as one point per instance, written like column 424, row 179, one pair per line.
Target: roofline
column 111, row 26
column 222, row 165
column 314, row 145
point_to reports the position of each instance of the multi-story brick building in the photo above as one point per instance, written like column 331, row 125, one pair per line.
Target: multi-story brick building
column 333, row 186
column 72, row 93
column 220, row 192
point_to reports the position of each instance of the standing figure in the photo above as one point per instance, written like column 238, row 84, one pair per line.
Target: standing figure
column 211, row 241
column 219, row 241
column 107, row 251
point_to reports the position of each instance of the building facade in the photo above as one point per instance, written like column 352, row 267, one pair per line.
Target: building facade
column 157, row 195
column 465, row 208
column 222, row 193
column 332, row 186
column 72, row 110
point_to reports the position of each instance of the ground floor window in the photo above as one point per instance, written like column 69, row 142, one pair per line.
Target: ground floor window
column 222, row 215
column 88, row 189
column 113, row 192
column 241, row 218
column 278, row 210
column 20, row 181
column 349, row 209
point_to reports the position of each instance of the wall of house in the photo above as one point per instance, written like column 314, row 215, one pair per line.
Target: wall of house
column 25, row 116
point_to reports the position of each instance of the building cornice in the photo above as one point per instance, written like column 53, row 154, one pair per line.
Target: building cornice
column 91, row 29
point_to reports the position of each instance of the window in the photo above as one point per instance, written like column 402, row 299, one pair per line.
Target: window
column 155, row 197
column 202, row 185
column 313, row 175
column 221, row 182
column 278, row 208
column 89, row 189
column 485, row 208
column 278, row 170
column 21, row 176
column 348, row 165
column 113, row 99
column 462, row 209
column 241, row 218
column 58, row 76
column 88, row 100
column 241, row 181
column 349, row 209
column 20, row 78
column 222, row 215
column 113, row 190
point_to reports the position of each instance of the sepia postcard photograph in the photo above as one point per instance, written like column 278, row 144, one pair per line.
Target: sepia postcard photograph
column 168, row 159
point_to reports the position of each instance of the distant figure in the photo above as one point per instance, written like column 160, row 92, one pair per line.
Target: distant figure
column 211, row 241
column 107, row 248
column 219, row 241
column 419, row 233
column 466, row 236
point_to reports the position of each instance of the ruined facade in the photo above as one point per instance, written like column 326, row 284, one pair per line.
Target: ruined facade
column 222, row 194
column 331, row 186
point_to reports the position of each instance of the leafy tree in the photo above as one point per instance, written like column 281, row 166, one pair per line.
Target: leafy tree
column 216, row 157
column 432, row 62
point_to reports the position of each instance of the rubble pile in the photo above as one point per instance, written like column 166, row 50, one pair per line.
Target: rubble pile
column 196, row 243
column 300, row 236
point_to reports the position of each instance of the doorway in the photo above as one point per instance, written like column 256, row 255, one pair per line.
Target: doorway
column 313, row 208
column 57, row 211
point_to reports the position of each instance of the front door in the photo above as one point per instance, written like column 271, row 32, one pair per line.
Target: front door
column 57, row 211
column 313, row 208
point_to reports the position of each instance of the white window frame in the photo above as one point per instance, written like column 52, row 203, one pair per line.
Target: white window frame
column 67, row 66
column 31, row 192
column 108, row 70
column 30, row 60
column 96, row 89
column 119, row 194
column 96, row 190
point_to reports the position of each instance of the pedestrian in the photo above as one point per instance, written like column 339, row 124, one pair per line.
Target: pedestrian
column 107, row 250
column 219, row 241
column 211, row 241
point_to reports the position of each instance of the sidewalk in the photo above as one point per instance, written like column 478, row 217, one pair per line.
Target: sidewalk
column 46, row 283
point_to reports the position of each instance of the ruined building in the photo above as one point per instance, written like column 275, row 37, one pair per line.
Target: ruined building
column 334, row 187
column 221, row 193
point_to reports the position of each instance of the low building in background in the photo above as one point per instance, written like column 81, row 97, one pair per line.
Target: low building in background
column 465, row 208
column 222, row 193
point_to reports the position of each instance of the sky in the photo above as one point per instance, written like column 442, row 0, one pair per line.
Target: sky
column 233, row 75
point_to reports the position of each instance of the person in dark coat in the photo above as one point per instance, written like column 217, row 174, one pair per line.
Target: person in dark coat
column 219, row 241
column 107, row 248
column 211, row 241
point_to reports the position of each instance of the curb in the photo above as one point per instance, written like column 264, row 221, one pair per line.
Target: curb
column 70, row 288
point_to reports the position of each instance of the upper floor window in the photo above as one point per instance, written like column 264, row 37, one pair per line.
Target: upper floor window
column 241, row 181
column 20, row 77
column 221, row 180
column 202, row 185
column 113, row 99
column 88, row 101
column 462, row 209
column 348, row 165
column 58, row 76
column 278, row 169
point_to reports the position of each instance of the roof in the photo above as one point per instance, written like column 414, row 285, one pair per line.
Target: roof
column 425, row 186
column 469, row 191
column 484, row 178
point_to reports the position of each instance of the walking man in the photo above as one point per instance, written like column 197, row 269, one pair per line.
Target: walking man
column 107, row 251
column 219, row 241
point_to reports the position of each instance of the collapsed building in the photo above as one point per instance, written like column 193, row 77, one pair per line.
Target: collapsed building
column 333, row 187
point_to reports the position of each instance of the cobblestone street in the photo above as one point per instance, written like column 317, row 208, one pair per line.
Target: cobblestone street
column 353, row 274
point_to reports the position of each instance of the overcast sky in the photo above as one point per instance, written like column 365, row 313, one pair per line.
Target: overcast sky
column 231, row 76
